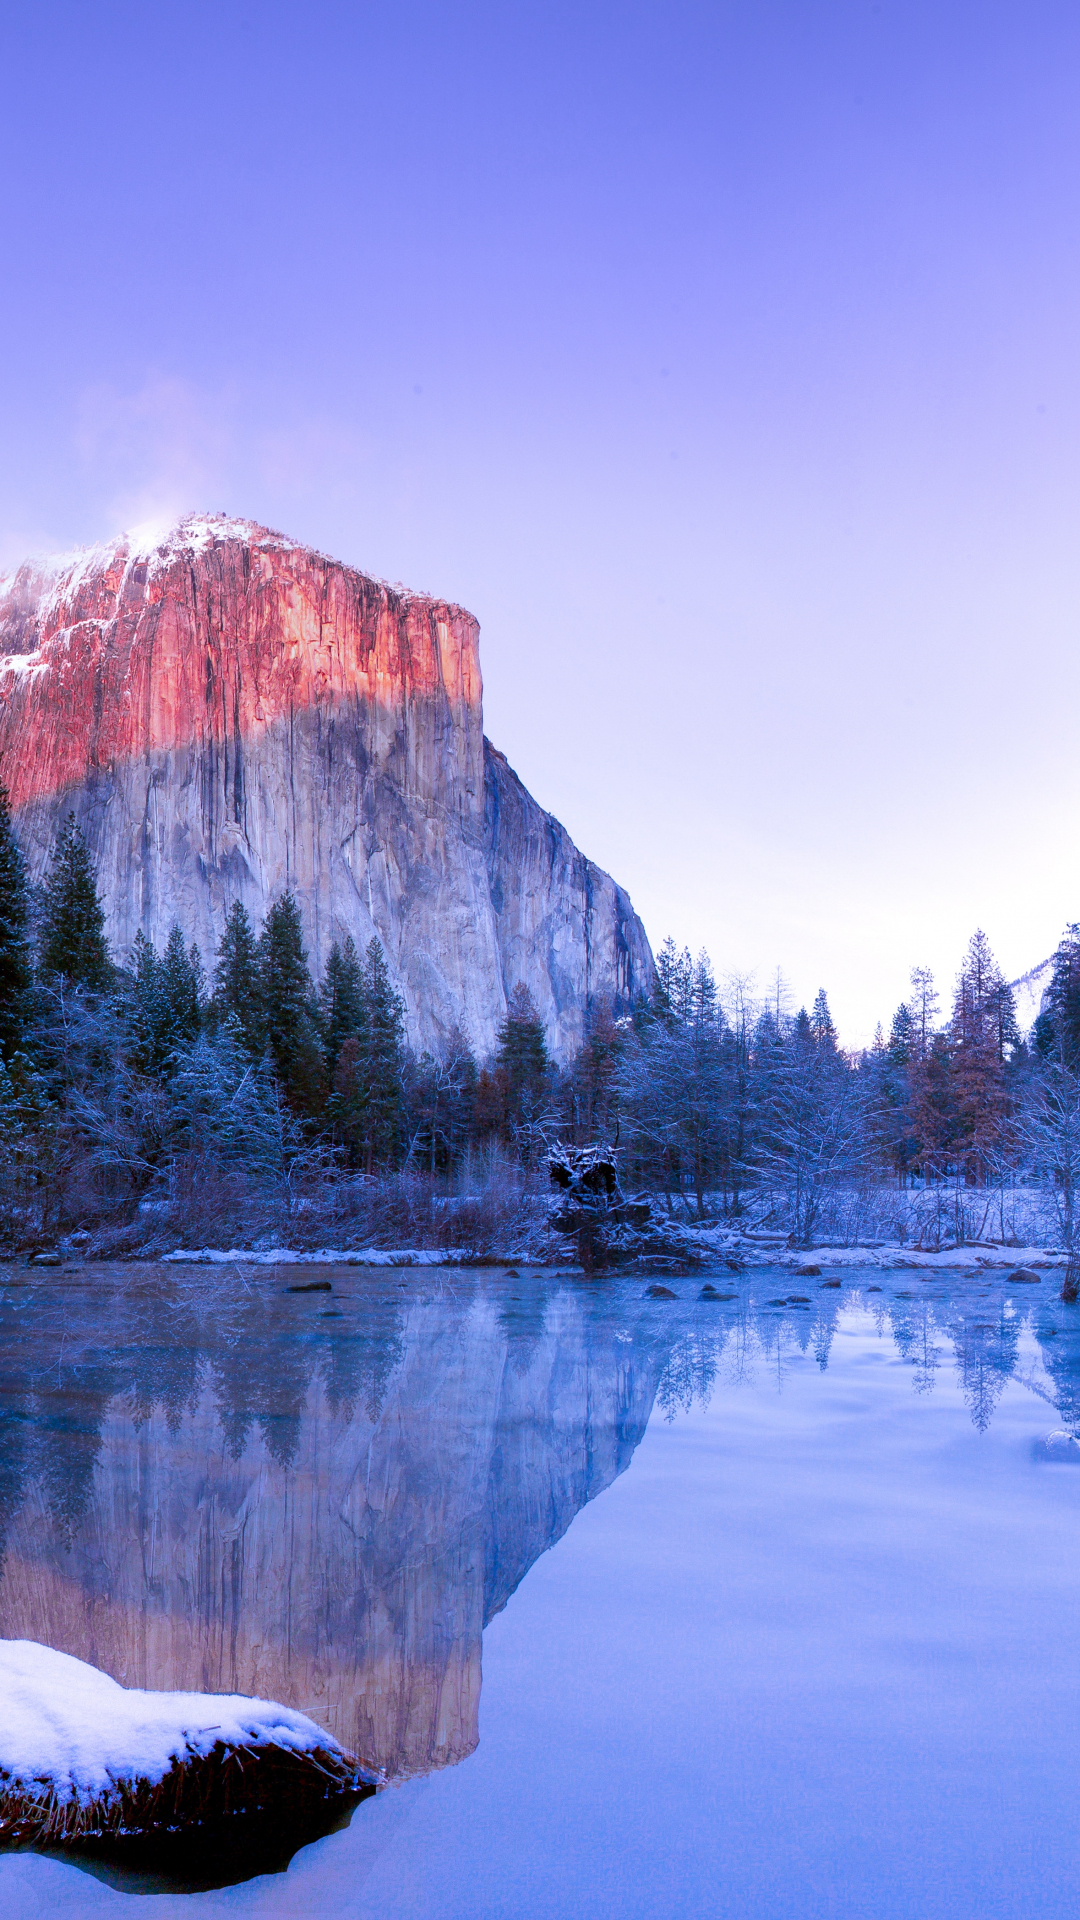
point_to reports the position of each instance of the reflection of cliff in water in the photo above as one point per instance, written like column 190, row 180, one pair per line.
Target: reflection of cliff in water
column 213, row 1487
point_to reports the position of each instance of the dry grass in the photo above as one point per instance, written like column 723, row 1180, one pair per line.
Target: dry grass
column 227, row 1794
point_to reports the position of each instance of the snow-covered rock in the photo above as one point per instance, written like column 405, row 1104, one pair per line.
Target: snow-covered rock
column 83, row 1758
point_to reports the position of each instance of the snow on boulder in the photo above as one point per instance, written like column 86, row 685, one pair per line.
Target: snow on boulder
column 89, row 1764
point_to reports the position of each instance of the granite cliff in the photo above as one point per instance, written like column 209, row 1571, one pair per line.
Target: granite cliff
column 229, row 714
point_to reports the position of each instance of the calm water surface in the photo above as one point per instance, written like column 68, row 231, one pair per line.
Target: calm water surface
column 777, row 1599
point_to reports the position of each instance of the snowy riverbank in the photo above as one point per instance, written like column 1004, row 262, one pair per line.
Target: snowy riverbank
column 709, row 1245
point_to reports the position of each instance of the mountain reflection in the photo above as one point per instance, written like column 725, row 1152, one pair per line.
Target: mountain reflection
column 214, row 1485
column 208, row 1482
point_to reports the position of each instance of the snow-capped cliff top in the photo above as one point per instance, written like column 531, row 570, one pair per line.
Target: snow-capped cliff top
column 153, row 539
column 28, row 588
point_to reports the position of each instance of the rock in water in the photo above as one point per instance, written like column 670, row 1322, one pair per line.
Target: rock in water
column 229, row 714
column 199, row 1784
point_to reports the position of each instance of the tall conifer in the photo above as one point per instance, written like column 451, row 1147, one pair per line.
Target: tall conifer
column 287, row 998
column 237, row 991
column 341, row 1001
column 73, row 923
column 15, row 977
column 384, row 1057
column 1057, row 1030
column 821, row 1022
column 523, row 1065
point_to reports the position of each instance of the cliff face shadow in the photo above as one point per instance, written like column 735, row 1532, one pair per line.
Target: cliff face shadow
column 207, row 1485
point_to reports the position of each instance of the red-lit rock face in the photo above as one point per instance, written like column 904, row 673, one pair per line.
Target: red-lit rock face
column 229, row 714
column 209, row 639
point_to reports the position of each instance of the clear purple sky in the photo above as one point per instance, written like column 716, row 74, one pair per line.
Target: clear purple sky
column 725, row 360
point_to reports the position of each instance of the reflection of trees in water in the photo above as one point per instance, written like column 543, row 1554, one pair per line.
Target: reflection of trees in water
column 824, row 1326
column 159, row 1340
column 734, row 1346
column 523, row 1316
column 983, row 1329
column 913, row 1329
column 357, row 1365
column 1058, row 1334
column 986, row 1350
column 690, row 1373
column 65, row 1358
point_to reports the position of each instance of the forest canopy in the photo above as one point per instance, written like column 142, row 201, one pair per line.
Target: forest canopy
column 204, row 1092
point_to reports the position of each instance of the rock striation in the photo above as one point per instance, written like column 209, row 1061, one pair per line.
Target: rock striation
column 229, row 714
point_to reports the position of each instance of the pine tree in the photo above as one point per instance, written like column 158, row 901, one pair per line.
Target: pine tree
column 672, row 984
column 146, row 970
column 73, row 923
column 384, row 1053
column 237, row 991
column 821, row 1023
column 15, row 975
column 287, row 999
column 182, row 988
column 592, row 1080
column 368, row 1100
column 902, row 1036
column 342, row 1007
column 802, row 1033
column 924, row 1009
column 168, row 999
column 1058, row 1025
column 523, row 1068
column 981, row 1017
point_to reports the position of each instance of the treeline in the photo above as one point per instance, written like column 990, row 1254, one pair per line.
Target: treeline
column 193, row 1088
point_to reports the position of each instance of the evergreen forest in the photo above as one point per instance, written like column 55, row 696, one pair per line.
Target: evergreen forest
column 241, row 1101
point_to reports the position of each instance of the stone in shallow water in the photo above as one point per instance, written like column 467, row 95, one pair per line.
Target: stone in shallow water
column 1060, row 1446
column 1023, row 1277
column 206, row 1787
column 657, row 1292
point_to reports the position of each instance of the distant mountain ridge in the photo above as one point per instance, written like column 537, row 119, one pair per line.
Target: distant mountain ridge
column 229, row 713
column 1028, row 992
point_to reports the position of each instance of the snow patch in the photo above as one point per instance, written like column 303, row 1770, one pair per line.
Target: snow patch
column 322, row 1257
column 23, row 665
column 69, row 1727
column 1028, row 993
column 42, row 583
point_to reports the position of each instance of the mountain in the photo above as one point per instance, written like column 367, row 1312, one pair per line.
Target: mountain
column 229, row 714
column 1029, row 992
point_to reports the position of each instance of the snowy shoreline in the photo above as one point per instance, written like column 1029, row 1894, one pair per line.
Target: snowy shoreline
column 723, row 1249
